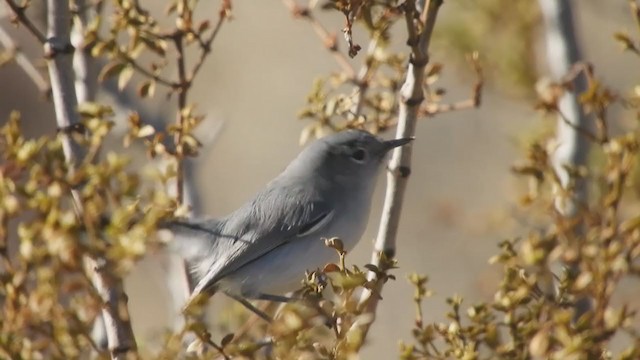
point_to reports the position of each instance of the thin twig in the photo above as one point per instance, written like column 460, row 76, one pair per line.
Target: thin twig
column 471, row 103
column 411, row 95
column 143, row 71
column 20, row 16
column 180, row 118
column 180, row 271
column 362, row 81
column 23, row 61
column 219, row 348
column 585, row 132
column 5, row 262
column 578, row 68
column 185, row 83
column 180, row 122
column 205, row 46
column 328, row 39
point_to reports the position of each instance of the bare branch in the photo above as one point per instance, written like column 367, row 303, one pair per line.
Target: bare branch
column 411, row 95
column 180, row 279
column 328, row 39
column 205, row 46
column 143, row 71
column 185, row 82
column 115, row 313
column 23, row 61
column 572, row 145
column 58, row 51
column 182, row 104
column 84, row 65
column 583, row 131
column 362, row 81
column 86, row 84
column 20, row 16
column 472, row 103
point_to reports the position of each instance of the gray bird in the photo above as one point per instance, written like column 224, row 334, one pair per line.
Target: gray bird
column 262, row 250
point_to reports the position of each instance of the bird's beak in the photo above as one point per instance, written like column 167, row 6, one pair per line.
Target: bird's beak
column 390, row 144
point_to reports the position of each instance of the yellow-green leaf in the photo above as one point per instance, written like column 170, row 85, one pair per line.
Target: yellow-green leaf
column 125, row 75
column 110, row 70
column 147, row 89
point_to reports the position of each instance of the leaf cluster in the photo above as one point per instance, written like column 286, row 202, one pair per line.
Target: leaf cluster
column 324, row 324
column 47, row 300
column 562, row 262
column 366, row 97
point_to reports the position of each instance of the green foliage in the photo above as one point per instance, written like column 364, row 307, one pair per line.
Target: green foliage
column 325, row 324
column 48, row 303
column 533, row 312
column 368, row 97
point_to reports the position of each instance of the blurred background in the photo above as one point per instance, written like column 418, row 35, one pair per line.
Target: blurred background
column 460, row 192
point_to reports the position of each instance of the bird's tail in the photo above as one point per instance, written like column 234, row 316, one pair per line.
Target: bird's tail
column 194, row 240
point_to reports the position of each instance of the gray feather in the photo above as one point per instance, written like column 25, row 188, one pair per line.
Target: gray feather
column 216, row 248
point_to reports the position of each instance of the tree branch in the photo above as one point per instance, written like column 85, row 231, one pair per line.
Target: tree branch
column 328, row 39
column 411, row 96
column 58, row 50
column 180, row 280
column 180, row 120
column 472, row 102
column 143, row 71
column 205, row 46
column 86, row 69
column 572, row 144
column 84, row 65
column 20, row 16
column 23, row 61
column 362, row 81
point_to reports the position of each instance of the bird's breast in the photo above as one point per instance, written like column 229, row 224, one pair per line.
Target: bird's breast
column 351, row 220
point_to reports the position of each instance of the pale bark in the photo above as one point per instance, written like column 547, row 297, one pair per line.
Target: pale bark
column 411, row 97
column 84, row 65
column 562, row 53
column 571, row 147
column 59, row 51
column 23, row 61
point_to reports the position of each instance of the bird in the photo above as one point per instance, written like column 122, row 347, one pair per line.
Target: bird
column 261, row 250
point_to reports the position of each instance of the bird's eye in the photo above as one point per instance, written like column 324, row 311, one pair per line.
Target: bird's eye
column 359, row 155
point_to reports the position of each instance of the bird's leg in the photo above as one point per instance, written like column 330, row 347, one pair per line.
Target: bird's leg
column 250, row 307
column 276, row 298
column 286, row 299
column 279, row 299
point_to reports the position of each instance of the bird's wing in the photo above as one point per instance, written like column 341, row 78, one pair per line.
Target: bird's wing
column 195, row 239
column 269, row 221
